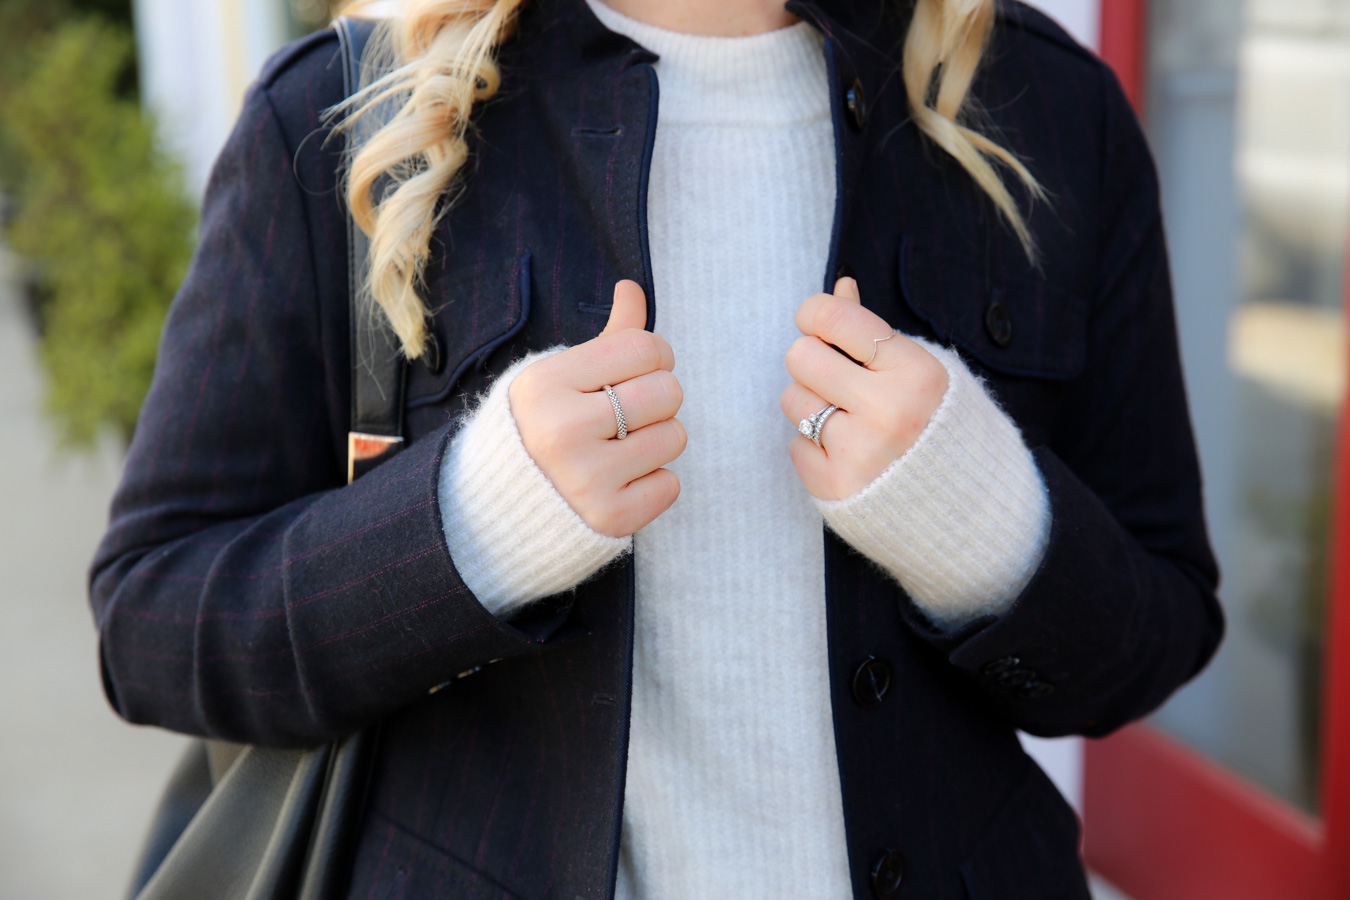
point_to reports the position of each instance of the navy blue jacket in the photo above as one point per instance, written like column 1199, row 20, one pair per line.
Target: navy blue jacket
column 244, row 593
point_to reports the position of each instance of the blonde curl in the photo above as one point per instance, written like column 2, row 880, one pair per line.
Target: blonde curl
column 408, row 130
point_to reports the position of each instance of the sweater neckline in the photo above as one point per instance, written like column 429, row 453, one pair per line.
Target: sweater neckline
column 772, row 79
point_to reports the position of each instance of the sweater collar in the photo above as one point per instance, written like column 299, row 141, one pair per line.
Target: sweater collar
column 772, row 79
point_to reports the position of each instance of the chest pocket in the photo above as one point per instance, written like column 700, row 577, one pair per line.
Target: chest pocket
column 477, row 308
column 1020, row 326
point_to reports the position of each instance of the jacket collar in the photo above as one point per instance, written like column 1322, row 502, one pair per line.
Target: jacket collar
column 565, row 43
column 867, row 30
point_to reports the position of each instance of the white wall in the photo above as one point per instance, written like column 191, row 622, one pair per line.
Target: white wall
column 197, row 58
column 1081, row 18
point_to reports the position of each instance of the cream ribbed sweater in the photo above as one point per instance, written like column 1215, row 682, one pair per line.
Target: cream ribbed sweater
column 732, row 778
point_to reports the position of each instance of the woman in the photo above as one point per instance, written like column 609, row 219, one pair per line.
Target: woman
column 657, row 697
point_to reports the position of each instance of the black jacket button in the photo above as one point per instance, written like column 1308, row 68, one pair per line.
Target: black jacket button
column 887, row 874
column 1016, row 678
column 855, row 101
column 871, row 682
column 999, row 324
column 1035, row 690
column 1001, row 665
column 432, row 357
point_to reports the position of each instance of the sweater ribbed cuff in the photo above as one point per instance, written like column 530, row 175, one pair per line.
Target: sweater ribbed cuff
column 511, row 535
column 961, row 520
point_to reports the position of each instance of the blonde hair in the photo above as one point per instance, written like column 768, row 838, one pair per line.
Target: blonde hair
column 943, row 49
column 438, row 60
column 411, row 126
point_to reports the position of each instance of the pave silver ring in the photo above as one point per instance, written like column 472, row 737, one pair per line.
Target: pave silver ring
column 811, row 426
column 622, row 431
column 875, row 341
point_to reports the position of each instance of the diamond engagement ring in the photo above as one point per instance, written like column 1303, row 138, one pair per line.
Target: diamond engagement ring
column 876, row 341
column 811, row 425
column 622, row 430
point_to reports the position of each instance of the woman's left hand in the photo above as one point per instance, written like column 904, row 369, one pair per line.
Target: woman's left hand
column 882, row 407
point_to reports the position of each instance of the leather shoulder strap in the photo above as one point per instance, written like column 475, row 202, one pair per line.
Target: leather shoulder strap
column 378, row 366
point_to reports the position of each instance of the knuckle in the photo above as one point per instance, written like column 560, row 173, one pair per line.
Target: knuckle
column 642, row 350
column 933, row 379
column 834, row 487
column 810, row 307
column 549, row 443
column 896, row 431
column 641, row 393
column 541, row 373
column 925, row 379
column 544, row 450
column 663, row 348
column 670, row 484
column 594, row 471
column 680, row 437
column 661, row 489
column 647, row 442
column 674, row 391
column 830, row 316
column 606, row 521
column 877, row 407
column 632, row 394
column 662, row 442
column 584, row 494
column 523, row 389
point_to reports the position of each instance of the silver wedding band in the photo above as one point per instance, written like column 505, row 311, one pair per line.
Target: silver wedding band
column 876, row 341
column 811, row 426
column 621, row 431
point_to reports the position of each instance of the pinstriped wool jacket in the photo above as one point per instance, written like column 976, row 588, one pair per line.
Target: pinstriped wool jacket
column 242, row 592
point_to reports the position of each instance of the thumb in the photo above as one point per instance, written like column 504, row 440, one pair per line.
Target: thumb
column 847, row 289
column 629, row 309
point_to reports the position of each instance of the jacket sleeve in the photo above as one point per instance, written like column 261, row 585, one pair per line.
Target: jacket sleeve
column 242, row 591
column 1122, row 609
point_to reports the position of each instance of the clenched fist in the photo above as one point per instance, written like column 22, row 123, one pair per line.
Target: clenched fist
column 883, row 406
column 568, row 426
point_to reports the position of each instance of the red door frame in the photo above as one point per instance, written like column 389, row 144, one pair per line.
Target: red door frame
column 1122, row 40
column 1163, row 822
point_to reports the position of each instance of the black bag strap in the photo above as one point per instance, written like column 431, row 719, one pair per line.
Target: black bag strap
column 378, row 367
column 375, row 434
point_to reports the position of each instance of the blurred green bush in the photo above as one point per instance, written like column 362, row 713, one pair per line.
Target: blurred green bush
column 102, row 216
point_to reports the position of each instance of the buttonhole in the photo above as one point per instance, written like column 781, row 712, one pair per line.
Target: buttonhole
column 612, row 131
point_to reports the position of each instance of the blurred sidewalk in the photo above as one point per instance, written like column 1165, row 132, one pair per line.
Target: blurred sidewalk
column 76, row 784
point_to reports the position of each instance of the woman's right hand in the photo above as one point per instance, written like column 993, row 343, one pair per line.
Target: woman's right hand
column 568, row 426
